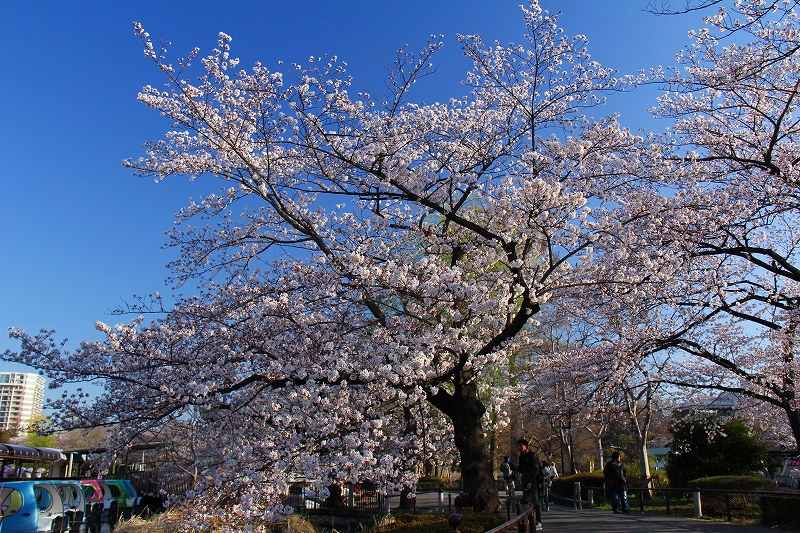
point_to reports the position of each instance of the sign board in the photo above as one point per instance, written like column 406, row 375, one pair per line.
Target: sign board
column 792, row 463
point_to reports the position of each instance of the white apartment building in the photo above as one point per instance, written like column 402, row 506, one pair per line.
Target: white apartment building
column 21, row 399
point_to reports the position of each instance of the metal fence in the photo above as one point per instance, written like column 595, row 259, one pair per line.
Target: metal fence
column 721, row 502
column 364, row 497
column 153, row 481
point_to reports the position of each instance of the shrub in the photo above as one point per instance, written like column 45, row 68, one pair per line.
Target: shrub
column 564, row 486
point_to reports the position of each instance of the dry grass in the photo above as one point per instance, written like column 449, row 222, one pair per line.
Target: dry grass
column 297, row 524
column 170, row 522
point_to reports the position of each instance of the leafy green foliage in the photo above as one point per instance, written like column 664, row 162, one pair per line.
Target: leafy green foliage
column 36, row 437
column 707, row 445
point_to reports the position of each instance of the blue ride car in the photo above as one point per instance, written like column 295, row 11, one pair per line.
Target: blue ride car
column 30, row 506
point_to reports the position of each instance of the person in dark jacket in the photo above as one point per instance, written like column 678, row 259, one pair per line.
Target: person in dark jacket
column 614, row 475
column 528, row 469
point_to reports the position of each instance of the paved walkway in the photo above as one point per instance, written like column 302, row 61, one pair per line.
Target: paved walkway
column 562, row 518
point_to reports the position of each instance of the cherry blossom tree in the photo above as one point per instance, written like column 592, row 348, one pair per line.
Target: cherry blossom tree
column 365, row 254
column 610, row 369
column 555, row 386
column 727, row 231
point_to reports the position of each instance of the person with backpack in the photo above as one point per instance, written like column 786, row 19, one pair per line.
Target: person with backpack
column 550, row 473
column 509, row 476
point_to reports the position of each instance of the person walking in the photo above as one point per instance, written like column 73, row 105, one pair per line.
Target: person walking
column 507, row 469
column 528, row 468
column 551, row 473
column 614, row 476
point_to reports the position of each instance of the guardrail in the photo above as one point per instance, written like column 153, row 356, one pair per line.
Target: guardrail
column 697, row 500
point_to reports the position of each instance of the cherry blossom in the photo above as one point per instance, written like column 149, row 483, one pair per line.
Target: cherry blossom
column 369, row 265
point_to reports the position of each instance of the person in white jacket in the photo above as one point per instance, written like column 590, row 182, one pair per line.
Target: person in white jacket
column 549, row 473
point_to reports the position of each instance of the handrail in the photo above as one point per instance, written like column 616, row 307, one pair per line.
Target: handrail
column 505, row 526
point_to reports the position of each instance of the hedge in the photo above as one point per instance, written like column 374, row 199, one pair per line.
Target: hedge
column 733, row 483
column 564, row 486
column 714, row 504
column 431, row 483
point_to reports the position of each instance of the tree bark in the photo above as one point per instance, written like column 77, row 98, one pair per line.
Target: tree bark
column 516, row 430
column 644, row 459
column 465, row 410
column 566, row 451
column 598, row 441
column 794, row 423
column 493, row 449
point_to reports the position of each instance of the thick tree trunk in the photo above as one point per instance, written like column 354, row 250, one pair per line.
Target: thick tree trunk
column 794, row 423
column 465, row 410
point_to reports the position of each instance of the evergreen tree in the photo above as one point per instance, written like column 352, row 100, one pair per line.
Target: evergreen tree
column 709, row 445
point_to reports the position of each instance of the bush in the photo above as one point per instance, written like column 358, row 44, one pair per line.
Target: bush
column 564, row 486
column 437, row 523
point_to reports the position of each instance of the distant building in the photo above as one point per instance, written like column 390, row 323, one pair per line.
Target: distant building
column 659, row 457
column 724, row 404
column 21, row 399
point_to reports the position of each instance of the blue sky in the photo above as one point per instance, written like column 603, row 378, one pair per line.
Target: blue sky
column 79, row 234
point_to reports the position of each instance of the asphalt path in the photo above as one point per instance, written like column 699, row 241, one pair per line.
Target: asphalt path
column 562, row 518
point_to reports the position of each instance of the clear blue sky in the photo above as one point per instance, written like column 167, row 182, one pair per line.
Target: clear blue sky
column 78, row 233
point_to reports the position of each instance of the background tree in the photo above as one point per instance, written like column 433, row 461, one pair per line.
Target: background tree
column 728, row 230
column 708, row 445
column 35, row 437
column 7, row 435
column 81, row 439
